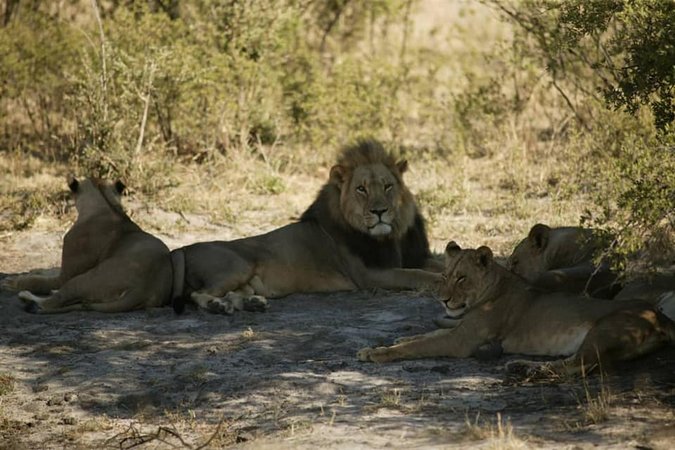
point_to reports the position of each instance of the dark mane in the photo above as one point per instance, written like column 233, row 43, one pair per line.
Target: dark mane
column 364, row 152
column 410, row 251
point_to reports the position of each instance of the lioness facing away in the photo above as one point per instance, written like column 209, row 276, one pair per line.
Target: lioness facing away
column 561, row 259
column 363, row 231
column 108, row 263
column 492, row 304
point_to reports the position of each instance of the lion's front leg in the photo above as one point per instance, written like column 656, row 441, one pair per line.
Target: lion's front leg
column 38, row 284
column 443, row 342
column 400, row 279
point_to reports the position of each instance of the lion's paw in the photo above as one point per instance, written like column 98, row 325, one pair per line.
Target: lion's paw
column 378, row 355
column 256, row 303
column 364, row 354
column 31, row 301
column 220, row 306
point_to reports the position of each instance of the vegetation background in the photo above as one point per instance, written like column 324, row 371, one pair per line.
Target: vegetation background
column 223, row 118
column 511, row 112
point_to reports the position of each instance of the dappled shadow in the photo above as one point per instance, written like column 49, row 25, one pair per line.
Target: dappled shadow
column 271, row 371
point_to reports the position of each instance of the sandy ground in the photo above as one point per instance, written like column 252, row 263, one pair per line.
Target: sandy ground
column 288, row 378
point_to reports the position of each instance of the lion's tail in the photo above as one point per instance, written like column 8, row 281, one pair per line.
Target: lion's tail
column 178, row 288
column 666, row 305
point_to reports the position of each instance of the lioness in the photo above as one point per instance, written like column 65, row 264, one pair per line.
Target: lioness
column 108, row 263
column 561, row 259
column 496, row 305
column 363, row 231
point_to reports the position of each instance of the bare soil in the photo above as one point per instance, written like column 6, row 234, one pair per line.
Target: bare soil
column 288, row 378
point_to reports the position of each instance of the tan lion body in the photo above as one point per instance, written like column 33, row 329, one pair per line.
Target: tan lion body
column 362, row 231
column 561, row 259
column 108, row 263
column 492, row 304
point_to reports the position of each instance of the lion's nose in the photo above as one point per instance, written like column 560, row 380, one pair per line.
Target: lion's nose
column 379, row 212
column 448, row 304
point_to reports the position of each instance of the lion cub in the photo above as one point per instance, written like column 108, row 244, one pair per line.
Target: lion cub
column 108, row 263
column 496, row 305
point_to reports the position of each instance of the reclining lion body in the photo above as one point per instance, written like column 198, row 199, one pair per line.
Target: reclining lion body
column 362, row 231
column 491, row 304
column 561, row 259
column 108, row 263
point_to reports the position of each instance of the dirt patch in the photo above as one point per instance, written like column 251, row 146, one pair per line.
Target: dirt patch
column 289, row 378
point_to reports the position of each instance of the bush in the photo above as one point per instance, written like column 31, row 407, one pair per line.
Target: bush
column 624, row 51
column 188, row 80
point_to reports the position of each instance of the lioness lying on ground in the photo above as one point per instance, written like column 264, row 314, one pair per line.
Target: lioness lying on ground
column 650, row 288
column 492, row 304
column 561, row 259
column 108, row 263
column 363, row 231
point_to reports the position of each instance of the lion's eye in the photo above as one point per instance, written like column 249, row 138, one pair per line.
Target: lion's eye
column 460, row 280
column 361, row 189
column 387, row 187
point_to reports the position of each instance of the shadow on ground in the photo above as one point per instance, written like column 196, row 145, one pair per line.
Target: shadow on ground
column 291, row 374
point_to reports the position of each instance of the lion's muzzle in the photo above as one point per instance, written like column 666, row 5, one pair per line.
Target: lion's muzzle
column 454, row 311
column 379, row 220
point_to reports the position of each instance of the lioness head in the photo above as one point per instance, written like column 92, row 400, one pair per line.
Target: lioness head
column 547, row 248
column 529, row 257
column 467, row 276
column 92, row 194
column 373, row 198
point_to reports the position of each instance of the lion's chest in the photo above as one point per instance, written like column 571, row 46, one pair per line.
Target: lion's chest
column 547, row 341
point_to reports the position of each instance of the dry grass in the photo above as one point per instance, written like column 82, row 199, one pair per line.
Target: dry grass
column 595, row 407
column 497, row 436
column 6, row 383
column 390, row 398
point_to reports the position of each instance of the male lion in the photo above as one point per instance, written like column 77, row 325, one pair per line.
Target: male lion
column 561, row 259
column 492, row 304
column 108, row 263
column 363, row 231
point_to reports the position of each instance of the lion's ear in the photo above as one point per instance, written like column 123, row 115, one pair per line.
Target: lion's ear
column 119, row 187
column 451, row 248
column 484, row 255
column 73, row 184
column 539, row 236
column 338, row 174
column 402, row 166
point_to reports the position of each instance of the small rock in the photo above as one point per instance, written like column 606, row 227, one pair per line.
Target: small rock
column 69, row 397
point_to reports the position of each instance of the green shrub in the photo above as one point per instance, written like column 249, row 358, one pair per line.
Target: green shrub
column 623, row 50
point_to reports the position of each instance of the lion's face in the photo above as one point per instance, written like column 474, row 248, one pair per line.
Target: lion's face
column 373, row 198
column 465, row 279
